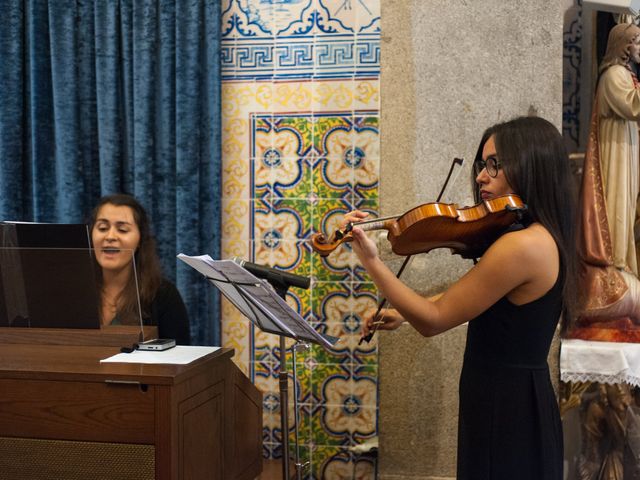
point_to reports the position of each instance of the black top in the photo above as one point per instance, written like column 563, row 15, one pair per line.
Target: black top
column 509, row 425
column 169, row 313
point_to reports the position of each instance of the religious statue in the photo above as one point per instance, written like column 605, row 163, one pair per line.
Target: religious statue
column 610, row 186
column 604, row 426
column 607, row 247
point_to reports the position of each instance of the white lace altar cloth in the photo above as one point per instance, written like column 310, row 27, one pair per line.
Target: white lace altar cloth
column 603, row 362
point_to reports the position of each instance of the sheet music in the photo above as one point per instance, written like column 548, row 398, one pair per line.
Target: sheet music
column 221, row 278
column 178, row 355
column 276, row 305
column 256, row 299
column 203, row 264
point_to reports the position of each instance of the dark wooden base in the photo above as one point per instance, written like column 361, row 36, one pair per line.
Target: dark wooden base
column 114, row 336
column 202, row 420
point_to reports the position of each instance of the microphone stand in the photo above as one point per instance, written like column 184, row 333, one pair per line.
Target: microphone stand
column 283, row 381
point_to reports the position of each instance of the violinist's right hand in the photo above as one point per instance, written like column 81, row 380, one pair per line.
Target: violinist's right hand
column 390, row 319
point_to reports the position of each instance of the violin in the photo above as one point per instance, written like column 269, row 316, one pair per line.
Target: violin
column 467, row 231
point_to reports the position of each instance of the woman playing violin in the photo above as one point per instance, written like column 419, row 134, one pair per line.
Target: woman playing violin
column 509, row 424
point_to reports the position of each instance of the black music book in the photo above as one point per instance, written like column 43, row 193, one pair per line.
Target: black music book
column 256, row 299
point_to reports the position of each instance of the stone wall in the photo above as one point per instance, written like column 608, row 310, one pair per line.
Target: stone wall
column 449, row 70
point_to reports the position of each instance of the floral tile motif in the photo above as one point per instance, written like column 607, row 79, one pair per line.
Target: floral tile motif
column 347, row 424
column 278, row 226
column 300, row 142
column 303, row 421
column 267, row 346
column 365, row 378
column 351, row 348
column 267, row 381
column 235, row 228
column 339, row 463
column 331, row 426
column 348, row 149
column 366, row 93
column 341, row 313
column 282, row 165
column 339, row 354
column 242, row 101
column 316, row 156
column 236, row 329
column 291, row 97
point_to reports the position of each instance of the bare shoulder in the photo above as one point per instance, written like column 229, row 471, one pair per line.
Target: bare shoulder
column 530, row 257
column 531, row 247
column 520, row 265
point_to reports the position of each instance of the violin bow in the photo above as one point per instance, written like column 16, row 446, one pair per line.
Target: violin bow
column 383, row 302
column 456, row 161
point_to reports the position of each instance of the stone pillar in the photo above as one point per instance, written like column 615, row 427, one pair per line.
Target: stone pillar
column 449, row 69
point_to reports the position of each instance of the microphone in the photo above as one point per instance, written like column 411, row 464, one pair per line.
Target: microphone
column 274, row 276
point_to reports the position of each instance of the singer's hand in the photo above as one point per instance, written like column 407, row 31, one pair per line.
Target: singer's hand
column 389, row 319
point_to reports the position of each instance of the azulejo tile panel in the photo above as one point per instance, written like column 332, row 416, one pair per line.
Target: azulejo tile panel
column 300, row 144
column 300, row 38
column 315, row 156
column 304, row 170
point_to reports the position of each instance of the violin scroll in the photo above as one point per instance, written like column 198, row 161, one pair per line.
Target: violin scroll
column 323, row 246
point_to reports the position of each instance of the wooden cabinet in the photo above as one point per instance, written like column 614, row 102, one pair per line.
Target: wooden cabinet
column 197, row 421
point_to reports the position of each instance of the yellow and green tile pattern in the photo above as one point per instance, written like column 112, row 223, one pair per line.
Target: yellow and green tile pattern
column 301, row 144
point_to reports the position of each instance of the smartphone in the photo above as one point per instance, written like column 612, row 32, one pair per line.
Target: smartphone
column 157, row 344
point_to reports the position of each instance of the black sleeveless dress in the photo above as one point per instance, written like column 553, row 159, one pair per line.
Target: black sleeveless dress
column 509, row 425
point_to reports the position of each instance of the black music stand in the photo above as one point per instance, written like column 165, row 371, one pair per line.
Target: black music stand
column 268, row 311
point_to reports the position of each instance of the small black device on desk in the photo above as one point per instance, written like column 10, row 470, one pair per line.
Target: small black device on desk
column 157, row 344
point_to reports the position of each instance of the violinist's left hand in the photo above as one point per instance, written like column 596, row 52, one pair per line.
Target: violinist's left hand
column 363, row 246
column 354, row 216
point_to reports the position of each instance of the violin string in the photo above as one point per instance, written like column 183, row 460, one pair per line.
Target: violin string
column 377, row 219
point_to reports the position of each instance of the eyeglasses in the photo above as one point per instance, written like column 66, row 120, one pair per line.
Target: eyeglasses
column 491, row 164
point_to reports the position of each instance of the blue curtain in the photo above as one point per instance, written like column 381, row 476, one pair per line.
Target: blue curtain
column 98, row 97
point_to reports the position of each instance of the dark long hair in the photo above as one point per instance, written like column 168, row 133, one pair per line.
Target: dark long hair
column 148, row 268
column 536, row 165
